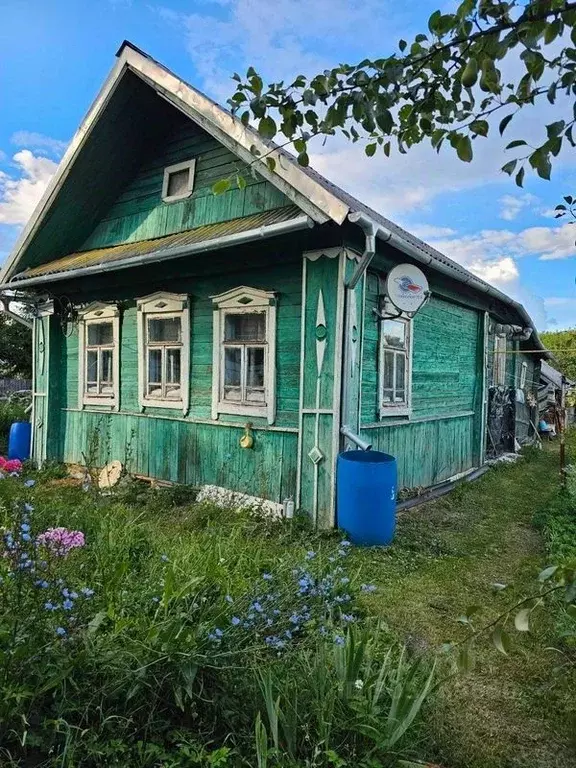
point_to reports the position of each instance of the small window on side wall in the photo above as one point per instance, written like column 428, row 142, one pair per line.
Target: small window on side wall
column 395, row 367
column 244, row 353
column 178, row 181
column 163, row 351
column 523, row 375
column 99, row 355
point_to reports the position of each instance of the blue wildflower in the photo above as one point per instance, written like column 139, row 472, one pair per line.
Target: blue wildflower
column 276, row 612
column 342, row 552
column 60, row 631
column 218, row 632
column 368, row 588
column 267, row 576
column 228, row 599
column 344, row 580
column 25, row 527
column 74, row 595
column 67, row 605
column 310, row 555
column 347, row 617
column 235, row 621
column 345, row 543
column 41, row 583
column 269, row 622
column 339, row 640
column 288, row 634
column 65, row 592
column 29, row 483
column 294, row 619
column 323, row 631
column 28, row 508
column 257, row 607
column 164, row 558
column 26, row 537
column 87, row 592
column 155, row 599
column 48, row 606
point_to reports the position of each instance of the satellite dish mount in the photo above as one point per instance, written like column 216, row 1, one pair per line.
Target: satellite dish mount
column 405, row 293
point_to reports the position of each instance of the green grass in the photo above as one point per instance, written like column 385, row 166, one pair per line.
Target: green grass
column 510, row 711
column 515, row 711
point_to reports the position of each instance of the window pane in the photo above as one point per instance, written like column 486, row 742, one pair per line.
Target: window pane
column 255, row 374
column 91, row 371
column 400, row 378
column 394, row 333
column 248, row 327
column 388, row 376
column 173, row 366
column 100, row 334
column 154, row 366
column 232, row 373
column 164, row 329
column 178, row 182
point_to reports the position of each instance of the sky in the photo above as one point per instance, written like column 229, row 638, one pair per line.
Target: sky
column 55, row 55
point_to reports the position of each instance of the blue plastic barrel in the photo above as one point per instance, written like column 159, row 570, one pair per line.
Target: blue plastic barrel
column 366, row 496
column 19, row 440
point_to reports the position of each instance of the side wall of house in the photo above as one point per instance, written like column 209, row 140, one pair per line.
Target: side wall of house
column 441, row 438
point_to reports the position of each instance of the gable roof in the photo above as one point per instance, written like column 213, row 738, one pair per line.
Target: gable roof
column 319, row 198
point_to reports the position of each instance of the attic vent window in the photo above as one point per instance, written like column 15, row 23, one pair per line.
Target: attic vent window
column 178, row 181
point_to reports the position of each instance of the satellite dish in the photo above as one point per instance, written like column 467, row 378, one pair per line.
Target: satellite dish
column 407, row 288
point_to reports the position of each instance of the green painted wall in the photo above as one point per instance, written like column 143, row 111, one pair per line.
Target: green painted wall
column 171, row 447
column 140, row 214
column 445, row 366
column 441, row 437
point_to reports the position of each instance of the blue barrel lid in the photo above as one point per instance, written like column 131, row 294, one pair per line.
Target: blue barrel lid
column 367, row 457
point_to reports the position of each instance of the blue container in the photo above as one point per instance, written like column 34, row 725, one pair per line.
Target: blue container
column 366, row 496
column 19, row 440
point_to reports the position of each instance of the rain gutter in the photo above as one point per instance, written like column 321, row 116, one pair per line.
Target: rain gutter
column 217, row 243
column 371, row 227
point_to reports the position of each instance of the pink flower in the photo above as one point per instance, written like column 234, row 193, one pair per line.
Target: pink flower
column 10, row 465
column 60, row 540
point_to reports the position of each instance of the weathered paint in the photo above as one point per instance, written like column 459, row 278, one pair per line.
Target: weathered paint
column 140, row 214
column 442, row 436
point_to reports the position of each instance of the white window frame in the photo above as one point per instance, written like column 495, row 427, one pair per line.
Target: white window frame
column 244, row 300
column 95, row 314
column 168, row 171
column 395, row 409
column 523, row 374
column 165, row 306
column 499, row 367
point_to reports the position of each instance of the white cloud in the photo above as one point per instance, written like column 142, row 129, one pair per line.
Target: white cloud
column 38, row 141
column 512, row 205
column 20, row 192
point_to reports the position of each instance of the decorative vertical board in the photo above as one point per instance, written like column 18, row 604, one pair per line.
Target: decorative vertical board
column 320, row 382
column 353, row 334
column 40, row 384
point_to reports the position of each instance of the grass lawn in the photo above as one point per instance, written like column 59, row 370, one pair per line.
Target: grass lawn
column 141, row 679
column 510, row 711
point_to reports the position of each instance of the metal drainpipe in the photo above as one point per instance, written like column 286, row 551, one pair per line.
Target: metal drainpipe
column 364, row 445
column 370, row 231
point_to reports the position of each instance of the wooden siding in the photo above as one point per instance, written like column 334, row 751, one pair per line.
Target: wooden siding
column 445, row 370
column 442, row 436
column 182, row 451
column 140, row 214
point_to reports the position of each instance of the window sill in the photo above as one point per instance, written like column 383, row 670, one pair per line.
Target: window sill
column 392, row 411
column 175, row 405
column 106, row 402
column 243, row 410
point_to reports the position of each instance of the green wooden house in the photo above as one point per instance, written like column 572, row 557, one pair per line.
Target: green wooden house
column 167, row 318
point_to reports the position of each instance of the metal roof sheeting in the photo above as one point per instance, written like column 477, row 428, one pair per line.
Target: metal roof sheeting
column 206, row 233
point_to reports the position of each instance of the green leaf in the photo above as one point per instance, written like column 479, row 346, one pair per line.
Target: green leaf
column 520, row 177
column 480, row 127
column 571, row 611
column 303, row 159
column 370, row 149
column 267, row 127
column 271, row 163
column 501, row 640
column 555, row 129
column 240, row 181
column 569, row 199
column 465, row 660
column 95, row 623
column 516, row 143
column 402, row 45
column 510, row 167
column 221, row 186
column 464, row 149
column 522, row 620
column 547, row 573
column 387, row 149
column 504, row 123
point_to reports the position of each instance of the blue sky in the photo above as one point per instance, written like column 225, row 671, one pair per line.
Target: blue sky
column 54, row 57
